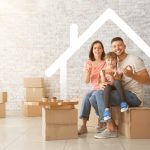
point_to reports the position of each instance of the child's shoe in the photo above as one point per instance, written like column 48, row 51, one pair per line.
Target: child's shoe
column 107, row 115
column 123, row 106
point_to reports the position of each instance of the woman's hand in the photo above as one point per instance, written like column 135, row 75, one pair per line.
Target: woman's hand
column 88, row 67
column 87, row 71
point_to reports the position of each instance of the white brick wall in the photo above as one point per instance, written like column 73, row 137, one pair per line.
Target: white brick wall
column 35, row 33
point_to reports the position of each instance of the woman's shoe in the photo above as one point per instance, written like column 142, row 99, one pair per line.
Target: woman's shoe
column 82, row 130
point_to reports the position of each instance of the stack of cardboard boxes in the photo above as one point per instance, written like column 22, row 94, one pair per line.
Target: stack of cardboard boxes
column 3, row 100
column 59, row 124
column 34, row 92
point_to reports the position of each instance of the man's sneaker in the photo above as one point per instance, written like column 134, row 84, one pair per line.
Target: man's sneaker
column 106, row 134
column 82, row 130
column 101, row 125
column 101, row 129
column 106, row 115
column 123, row 106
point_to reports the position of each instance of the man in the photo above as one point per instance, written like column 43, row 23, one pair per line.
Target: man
column 134, row 76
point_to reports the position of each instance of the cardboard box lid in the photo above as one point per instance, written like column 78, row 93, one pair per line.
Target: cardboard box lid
column 139, row 108
column 54, row 105
column 33, row 82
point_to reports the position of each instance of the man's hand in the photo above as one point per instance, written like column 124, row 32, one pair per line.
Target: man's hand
column 128, row 71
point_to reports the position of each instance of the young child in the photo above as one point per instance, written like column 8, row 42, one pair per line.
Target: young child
column 112, row 77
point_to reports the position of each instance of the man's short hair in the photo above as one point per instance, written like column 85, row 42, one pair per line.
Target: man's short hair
column 117, row 39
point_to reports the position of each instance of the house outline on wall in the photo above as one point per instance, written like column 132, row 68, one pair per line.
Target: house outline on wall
column 76, row 42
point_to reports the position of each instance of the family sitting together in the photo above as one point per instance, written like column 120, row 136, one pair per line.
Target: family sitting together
column 117, row 79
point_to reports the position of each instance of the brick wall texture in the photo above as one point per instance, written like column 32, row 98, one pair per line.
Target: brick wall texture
column 33, row 34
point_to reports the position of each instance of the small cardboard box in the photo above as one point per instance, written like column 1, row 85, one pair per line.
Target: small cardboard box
column 135, row 123
column 59, row 124
column 2, row 110
column 34, row 94
column 33, row 82
column 3, row 97
column 32, row 111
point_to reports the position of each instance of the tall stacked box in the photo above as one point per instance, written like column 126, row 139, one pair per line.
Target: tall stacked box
column 3, row 100
column 2, row 110
column 34, row 92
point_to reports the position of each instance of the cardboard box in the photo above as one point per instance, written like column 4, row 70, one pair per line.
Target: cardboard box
column 135, row 123
column 59, row 124
column 32, row 111
column 35, row 94
column 2, row 110
column 3, row 97
column 33, row 82
column 60, row 116
column 59, row 132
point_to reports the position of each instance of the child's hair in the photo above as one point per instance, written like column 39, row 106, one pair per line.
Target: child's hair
column 111, row 55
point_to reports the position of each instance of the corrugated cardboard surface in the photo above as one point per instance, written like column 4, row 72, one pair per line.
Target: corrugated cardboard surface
column 59, row 116
column 33, row 82
column 59, row 132
column 2, row 110
column 135, row 123
column 32, row 111
column 35, row 94
column 59, row 124
column 3, row 97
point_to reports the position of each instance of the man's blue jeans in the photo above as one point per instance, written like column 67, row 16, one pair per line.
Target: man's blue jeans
column 95, row 98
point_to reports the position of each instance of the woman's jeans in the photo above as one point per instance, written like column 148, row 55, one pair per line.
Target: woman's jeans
column 95, row 98
column 88, row 100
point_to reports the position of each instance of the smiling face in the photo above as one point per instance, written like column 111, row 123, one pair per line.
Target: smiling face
column 111, row 63
column 97, row 50
column 111, row 60
column 118, row 47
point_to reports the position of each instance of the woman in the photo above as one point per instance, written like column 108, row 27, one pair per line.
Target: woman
column 91, row 75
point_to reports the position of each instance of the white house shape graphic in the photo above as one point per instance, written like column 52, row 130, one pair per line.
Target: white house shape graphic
column 109, row 14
